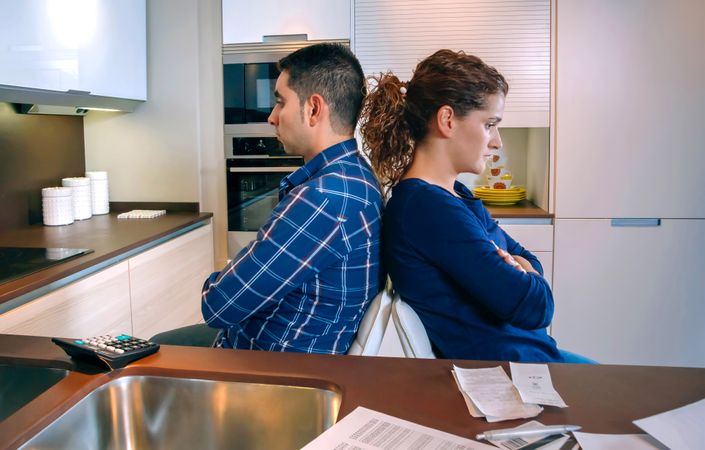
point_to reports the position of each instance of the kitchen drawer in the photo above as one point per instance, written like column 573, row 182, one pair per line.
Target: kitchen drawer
column 535, row 238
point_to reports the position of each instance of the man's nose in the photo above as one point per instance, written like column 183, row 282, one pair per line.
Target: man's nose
column 270, row 119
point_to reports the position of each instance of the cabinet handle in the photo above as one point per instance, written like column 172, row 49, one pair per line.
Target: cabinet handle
column 281, row 169
column 622, row 222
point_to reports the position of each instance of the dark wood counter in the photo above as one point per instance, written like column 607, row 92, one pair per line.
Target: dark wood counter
column 522, row 210
column 601, row 398
column 106, row 235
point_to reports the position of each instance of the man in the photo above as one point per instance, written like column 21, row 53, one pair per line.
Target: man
column 305, row 282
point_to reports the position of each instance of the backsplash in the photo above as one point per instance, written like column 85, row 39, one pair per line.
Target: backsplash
column 36, row 151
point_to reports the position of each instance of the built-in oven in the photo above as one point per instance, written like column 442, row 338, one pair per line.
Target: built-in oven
column 255, row 160
column 254, row 169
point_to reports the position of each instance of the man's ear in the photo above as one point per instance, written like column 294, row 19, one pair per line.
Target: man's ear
column 444, row 120
column 316, row 109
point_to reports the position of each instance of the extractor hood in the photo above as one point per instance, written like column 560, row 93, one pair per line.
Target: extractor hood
column 71, row 102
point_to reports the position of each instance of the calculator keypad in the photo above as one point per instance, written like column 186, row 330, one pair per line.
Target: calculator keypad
column 115, row 344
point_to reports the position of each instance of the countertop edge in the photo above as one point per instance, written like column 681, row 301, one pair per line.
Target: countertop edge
column 41, row 286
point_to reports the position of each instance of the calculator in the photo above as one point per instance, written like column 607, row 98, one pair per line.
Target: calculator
column 111, row 351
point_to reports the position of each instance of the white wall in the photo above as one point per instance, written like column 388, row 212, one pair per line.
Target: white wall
column 171, row 148
column 152, row 154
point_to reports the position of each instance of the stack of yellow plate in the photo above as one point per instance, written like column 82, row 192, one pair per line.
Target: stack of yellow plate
column 500, row 197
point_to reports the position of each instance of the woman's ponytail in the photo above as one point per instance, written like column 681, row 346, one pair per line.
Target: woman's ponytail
column 385, row 134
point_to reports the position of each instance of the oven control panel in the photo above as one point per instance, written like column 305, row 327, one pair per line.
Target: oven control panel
column 257, row 146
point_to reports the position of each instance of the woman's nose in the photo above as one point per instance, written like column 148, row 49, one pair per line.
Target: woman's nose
column 496, row 141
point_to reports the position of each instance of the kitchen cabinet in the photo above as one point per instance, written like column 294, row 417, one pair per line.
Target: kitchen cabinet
column 630, row 104
column 96, row 48
column 95, row 305
column 247, row 22
column 153, row 291
column 165, row 282
column 514, row 37
column 628, row 144
column 630, row 295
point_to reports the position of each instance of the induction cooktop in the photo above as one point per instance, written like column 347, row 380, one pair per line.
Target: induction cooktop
column 16, row 262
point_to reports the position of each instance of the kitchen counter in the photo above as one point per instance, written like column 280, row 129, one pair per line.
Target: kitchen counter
column 601, row 398
column 522, row 210
column 110, row 239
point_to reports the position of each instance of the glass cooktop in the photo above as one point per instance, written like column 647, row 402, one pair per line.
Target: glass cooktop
column 16, row 262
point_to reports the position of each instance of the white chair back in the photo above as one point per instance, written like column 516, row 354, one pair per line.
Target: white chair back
column 369, row 335
column 412, row 334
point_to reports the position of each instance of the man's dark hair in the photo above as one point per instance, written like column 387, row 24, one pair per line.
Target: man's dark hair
column 332, row 71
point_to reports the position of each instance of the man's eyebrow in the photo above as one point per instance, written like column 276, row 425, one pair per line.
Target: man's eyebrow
column 277, row 94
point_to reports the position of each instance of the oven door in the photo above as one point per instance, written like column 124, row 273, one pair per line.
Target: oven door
column 253, row 189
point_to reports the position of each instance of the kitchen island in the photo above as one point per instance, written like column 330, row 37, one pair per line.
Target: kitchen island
column 601, row 398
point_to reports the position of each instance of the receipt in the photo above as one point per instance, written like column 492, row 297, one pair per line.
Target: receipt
column 534, row 384
column 493, row 393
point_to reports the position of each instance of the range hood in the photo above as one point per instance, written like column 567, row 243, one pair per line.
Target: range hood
column 71, row 102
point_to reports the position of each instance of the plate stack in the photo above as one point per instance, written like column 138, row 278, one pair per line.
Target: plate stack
column 500, row 197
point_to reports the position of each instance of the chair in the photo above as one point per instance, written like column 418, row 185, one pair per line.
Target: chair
column 374, row 322
column 412, row 334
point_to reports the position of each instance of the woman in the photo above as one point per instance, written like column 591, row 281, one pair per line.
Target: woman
column 479, row 293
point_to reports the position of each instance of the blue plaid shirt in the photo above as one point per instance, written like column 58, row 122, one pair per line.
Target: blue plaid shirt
column 305, row 282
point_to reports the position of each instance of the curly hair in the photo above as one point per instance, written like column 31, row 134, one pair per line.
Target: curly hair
column 392, row 122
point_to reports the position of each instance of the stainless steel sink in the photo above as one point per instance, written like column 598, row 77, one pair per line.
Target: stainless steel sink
column 149, row 412
column 19, row 385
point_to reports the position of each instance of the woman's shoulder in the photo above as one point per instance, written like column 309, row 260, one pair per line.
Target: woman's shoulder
column 424, row 200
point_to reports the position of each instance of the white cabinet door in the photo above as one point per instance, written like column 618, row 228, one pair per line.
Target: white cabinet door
column 248, row 21
column 631, row 295
column 94, row 46
column 515, row 37
column 630, row 109
column 95, row 305
column 166, row 282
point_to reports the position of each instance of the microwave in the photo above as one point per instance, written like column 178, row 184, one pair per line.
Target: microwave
column 250, row 73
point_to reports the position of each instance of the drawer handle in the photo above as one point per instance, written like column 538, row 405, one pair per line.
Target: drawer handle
column 281, row 169
column 636, row 222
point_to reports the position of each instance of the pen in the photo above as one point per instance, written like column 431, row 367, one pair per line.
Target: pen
column 511, row 433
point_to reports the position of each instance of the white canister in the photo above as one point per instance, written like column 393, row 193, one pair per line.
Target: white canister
column 81, row 191
column 100, row 202
column 57, row 206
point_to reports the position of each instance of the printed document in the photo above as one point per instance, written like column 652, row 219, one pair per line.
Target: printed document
column 681, row 428
column 365, row 429
column 592, row 441
column 493, row 393
column 534, row 384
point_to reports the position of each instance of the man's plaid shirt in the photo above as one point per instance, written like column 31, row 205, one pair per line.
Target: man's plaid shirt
column 305, row 282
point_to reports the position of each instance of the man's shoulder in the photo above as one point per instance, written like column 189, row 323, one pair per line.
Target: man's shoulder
column 349, row 178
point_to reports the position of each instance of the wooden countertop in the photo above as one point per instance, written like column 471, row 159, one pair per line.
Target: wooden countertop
column 522, row 210
column 601, row 398
column 107, row 236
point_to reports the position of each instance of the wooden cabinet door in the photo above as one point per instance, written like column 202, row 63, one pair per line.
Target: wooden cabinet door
column 95, row 305
column 166, row 282
column 629, row 112
column 630, row 295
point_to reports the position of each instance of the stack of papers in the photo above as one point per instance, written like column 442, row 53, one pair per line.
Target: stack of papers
column 365, row 429
column 491, row 394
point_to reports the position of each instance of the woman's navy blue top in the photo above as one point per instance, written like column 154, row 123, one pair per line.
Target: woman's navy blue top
column 439, row 253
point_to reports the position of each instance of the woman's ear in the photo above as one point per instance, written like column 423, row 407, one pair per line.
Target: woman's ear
column 444, row 120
